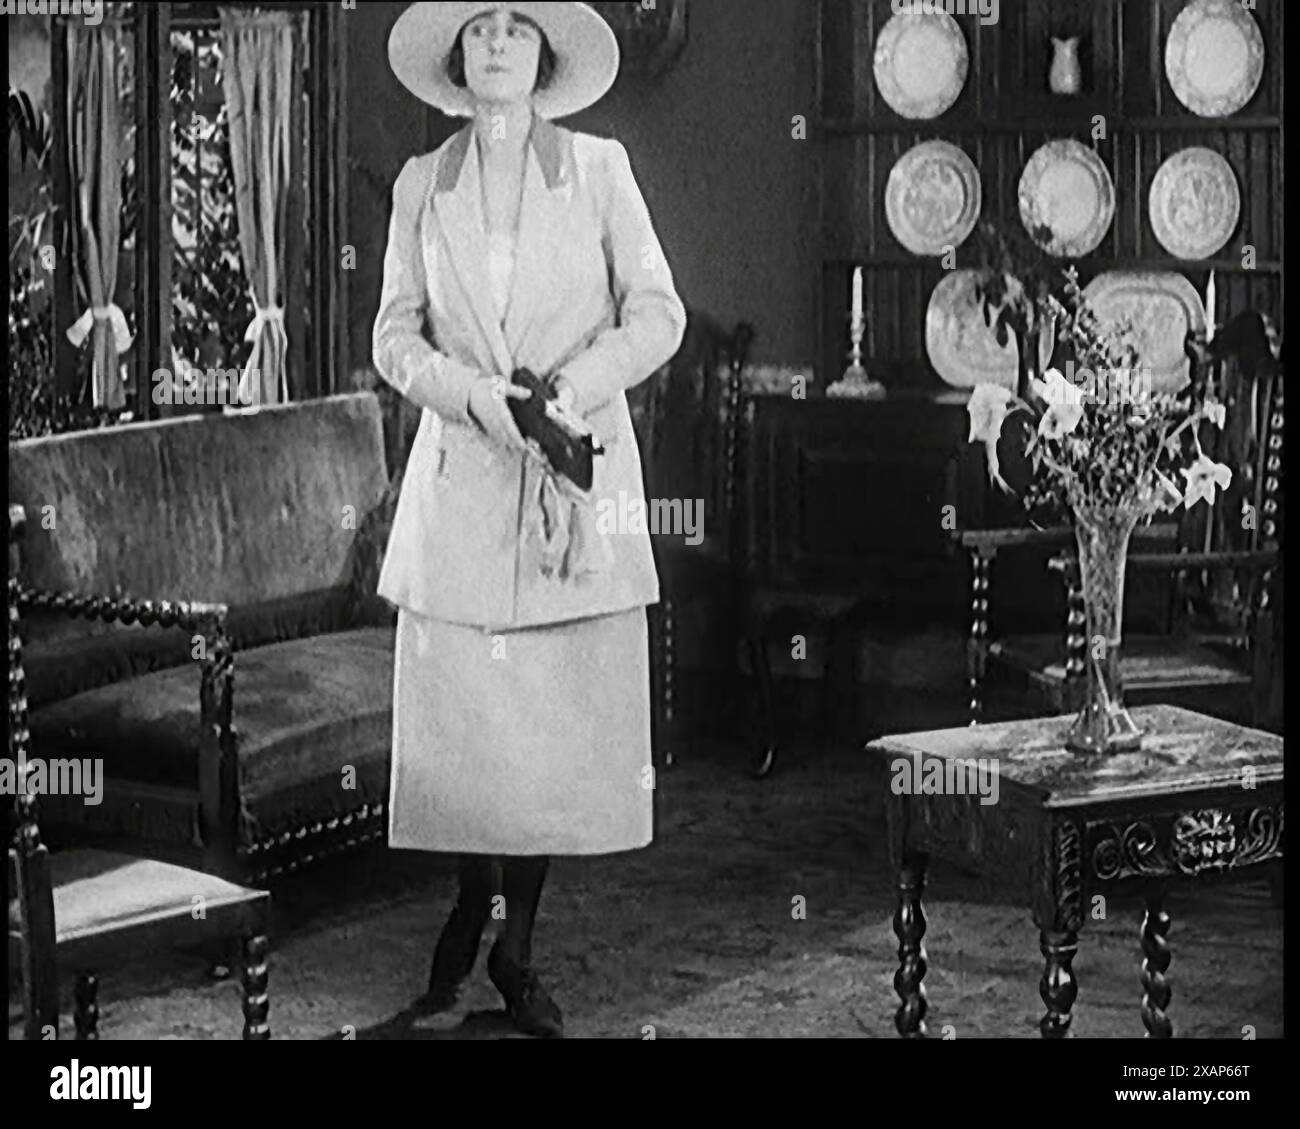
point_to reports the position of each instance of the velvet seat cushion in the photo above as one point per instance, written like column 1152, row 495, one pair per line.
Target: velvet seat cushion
column 1146, row 662
column 101, row 891
column 305, row 710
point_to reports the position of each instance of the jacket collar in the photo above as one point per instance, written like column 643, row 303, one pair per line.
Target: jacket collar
column 547, row 143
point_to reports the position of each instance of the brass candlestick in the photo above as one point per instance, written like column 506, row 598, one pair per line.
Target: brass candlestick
column 855, row 381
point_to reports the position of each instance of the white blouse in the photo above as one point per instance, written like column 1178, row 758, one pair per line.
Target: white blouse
column 501, row 269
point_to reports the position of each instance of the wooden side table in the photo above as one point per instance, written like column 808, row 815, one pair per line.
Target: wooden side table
column 1203, row 798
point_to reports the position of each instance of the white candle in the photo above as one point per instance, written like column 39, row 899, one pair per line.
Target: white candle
column 1209, row 308
column 857, row 293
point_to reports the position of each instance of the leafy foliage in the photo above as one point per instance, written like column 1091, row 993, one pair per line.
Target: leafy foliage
column 1016, row 277
column 1094, row 439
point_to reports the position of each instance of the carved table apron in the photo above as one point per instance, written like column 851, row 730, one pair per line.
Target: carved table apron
column 1203, row 798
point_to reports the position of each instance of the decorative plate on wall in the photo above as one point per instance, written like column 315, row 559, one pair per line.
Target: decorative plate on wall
column 920, row 63
column 1066, row 186
column 1162, row 307
column 1214, row 57
column 962, row 347
column 1194, row 204
column 932, row 200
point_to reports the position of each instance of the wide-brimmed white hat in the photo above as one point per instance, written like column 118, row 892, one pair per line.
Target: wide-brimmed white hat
column 586, row 54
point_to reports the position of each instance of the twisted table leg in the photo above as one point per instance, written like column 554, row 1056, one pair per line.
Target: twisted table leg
column 256, row 999
column 1155, row 949
column 978, row 643
column 85, row 1013
column 909, row 928
column 1058, row 987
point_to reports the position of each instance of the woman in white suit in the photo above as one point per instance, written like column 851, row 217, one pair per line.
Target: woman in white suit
column 521, row 721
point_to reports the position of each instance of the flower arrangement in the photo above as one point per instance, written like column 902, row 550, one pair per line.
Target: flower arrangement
column 1092, row 438
column 1091, row 435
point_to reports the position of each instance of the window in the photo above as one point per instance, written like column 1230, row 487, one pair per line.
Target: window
column 181, row 280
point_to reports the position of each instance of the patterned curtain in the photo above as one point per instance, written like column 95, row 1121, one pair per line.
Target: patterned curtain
column 95, row 160
column 258, row 56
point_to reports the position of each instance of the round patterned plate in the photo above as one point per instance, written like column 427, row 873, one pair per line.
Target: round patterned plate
column 1214, row 57
column 920, row 63
column 1161, row 307
column 962, row 347
column 1066, row 186
column 1194, row 204
column 932, row 200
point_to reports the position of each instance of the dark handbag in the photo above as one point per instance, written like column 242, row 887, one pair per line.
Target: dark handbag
column 565, row 438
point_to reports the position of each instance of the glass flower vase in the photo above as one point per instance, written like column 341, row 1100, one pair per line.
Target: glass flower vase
column 1103, row 724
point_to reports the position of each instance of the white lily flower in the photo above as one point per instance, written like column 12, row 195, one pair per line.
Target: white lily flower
column 1216, row 412
column 1057, row 389
column 988, row 408
column 1202, row 478
column 1059, row 421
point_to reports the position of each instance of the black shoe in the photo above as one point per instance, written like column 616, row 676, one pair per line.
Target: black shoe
column 453, row 961
column 533, row 1011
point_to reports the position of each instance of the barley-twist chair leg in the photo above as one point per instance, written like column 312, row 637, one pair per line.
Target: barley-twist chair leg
column 85, row 1013
column 256, row 1000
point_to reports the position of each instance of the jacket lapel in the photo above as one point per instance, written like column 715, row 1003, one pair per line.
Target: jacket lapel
column 547, row 191
column 458, row 202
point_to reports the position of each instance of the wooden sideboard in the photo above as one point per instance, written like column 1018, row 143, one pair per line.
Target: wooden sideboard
column 847, row 497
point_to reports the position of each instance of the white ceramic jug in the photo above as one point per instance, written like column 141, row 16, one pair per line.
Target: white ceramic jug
column 1063, row 77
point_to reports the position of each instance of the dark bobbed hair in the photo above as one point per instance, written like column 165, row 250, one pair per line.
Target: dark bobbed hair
column 546, row 62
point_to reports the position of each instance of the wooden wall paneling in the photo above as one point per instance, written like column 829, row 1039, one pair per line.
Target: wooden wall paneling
column 301, row 383
column 153, row 240
column 1031, row 69
column 327, row 76
column 1100, row 49
column 1157, row 34
column 1005, row 112
column 65, row 290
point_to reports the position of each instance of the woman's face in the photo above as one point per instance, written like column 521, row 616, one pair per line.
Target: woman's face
column 501, row 52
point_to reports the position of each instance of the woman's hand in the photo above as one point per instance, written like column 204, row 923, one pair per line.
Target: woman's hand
column 488, row 408
column 564, row 393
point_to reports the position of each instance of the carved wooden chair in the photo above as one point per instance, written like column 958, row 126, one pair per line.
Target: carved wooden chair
column 89, row 909
column 1218, row 644
column 687, row 423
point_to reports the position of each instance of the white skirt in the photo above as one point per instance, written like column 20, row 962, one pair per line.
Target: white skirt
column 526, row 742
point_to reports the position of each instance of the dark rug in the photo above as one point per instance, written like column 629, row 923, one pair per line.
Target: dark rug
column 696, row 936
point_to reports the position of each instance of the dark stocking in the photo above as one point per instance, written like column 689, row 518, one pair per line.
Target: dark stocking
column 477, row 875
column 522, row 877
column 453, row 957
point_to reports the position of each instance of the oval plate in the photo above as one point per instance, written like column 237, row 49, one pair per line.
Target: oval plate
column 1214, row 58
column 1194, row 204
column 932, row 200
column 920, row 63
column 962, row 348
column 1066, row 186
column 1162, row 306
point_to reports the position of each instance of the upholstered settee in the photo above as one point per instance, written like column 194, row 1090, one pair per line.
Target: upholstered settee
column 198, row 612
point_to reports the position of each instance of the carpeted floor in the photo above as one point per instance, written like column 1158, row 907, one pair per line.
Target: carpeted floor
column 695, row 936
